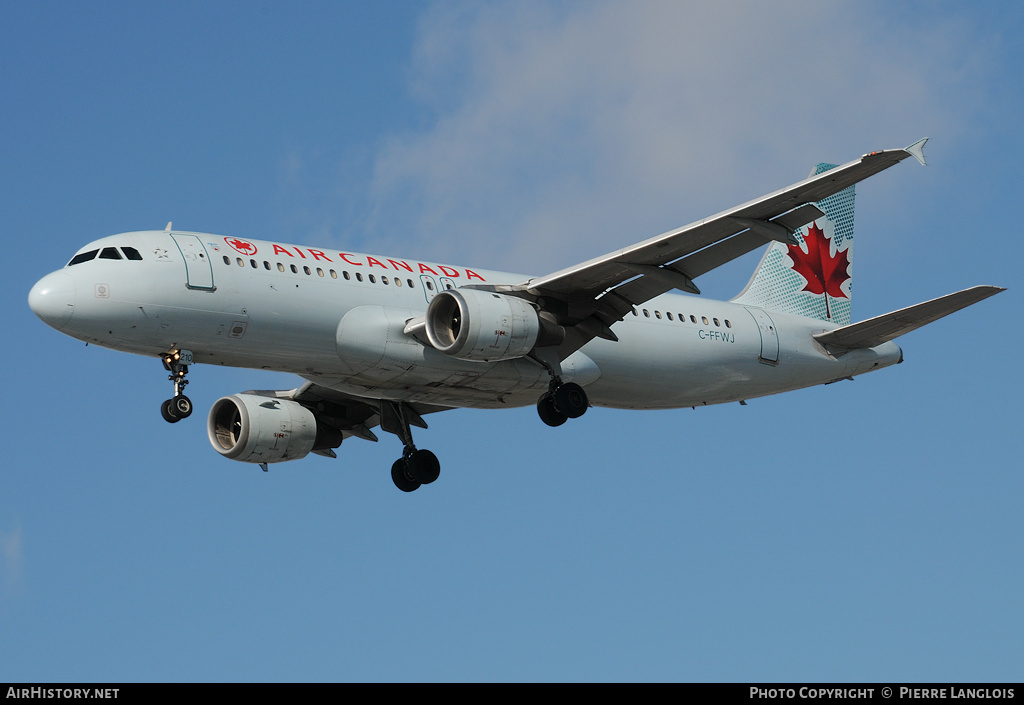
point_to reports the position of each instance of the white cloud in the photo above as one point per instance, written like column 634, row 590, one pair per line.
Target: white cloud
column 562, row 132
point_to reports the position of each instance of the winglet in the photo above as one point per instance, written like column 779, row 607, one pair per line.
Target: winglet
column 916, row 150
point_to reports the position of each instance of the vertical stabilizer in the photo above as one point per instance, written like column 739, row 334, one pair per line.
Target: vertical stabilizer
column 814, row 278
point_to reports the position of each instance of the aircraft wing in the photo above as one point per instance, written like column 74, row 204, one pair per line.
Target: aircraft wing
column 877, row 330
column 352, row 415
column 588, row 298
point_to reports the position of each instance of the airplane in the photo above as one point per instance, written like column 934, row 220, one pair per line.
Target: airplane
column 384, row 342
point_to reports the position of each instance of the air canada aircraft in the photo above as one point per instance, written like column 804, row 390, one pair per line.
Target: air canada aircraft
column 385, row 342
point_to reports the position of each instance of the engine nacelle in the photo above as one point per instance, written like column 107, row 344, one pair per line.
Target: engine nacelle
column 481, row 325
column 258, row 429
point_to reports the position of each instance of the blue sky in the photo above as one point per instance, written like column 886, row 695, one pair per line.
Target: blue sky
column 864, row 531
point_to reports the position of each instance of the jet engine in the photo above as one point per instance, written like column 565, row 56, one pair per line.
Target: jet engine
column 259, row 429
column 480, row 325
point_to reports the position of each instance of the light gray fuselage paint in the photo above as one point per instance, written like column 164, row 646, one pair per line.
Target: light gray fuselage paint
column 348, row 334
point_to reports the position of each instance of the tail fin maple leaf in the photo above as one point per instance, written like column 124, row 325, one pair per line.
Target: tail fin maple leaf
column 825, row 273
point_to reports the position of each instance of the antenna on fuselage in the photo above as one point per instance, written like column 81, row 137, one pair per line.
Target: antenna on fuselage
column 168, row 228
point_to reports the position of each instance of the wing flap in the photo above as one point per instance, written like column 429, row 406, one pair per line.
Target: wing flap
column 796, row 219
column 680, row 275
column 880, row 329
column 352, row 415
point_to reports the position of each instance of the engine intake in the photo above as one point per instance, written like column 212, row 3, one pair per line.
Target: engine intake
column 258, row 429
column 481, row 325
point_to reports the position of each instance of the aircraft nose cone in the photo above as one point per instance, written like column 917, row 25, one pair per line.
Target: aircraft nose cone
column 53, row 299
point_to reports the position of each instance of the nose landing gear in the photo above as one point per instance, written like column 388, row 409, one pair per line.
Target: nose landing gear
column 179, row 406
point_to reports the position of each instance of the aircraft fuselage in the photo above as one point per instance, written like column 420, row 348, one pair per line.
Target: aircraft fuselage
column 338, row 319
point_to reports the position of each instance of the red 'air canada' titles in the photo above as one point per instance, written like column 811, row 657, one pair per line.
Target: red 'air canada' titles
column 368, row 261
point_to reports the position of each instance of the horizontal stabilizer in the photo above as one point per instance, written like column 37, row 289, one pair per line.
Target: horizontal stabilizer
column 875, row 331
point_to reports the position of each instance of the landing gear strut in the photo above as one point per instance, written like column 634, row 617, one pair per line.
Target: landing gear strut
column 179, row 406
column 415, row 467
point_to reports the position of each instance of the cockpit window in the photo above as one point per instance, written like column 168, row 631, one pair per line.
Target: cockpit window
column 110, row 253
column 83, row 257
column 131, row 253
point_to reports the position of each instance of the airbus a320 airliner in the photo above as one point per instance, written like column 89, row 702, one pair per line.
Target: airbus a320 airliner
column 384, row 342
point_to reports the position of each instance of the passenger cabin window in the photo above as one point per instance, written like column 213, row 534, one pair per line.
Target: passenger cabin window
column 110, row 253
column 131, row 253
column 84, row 257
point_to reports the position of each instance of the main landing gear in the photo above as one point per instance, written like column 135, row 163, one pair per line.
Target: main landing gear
column 562, row 402
column 179, row 406
column 415, row 467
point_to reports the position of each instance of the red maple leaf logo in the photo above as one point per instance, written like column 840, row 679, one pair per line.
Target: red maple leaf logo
column 825, row 273
column 246, row 248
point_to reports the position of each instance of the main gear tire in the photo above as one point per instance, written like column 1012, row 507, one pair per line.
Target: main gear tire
column 571, row 400
column 424, row 466
column 548, row 413
column 402, row 478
